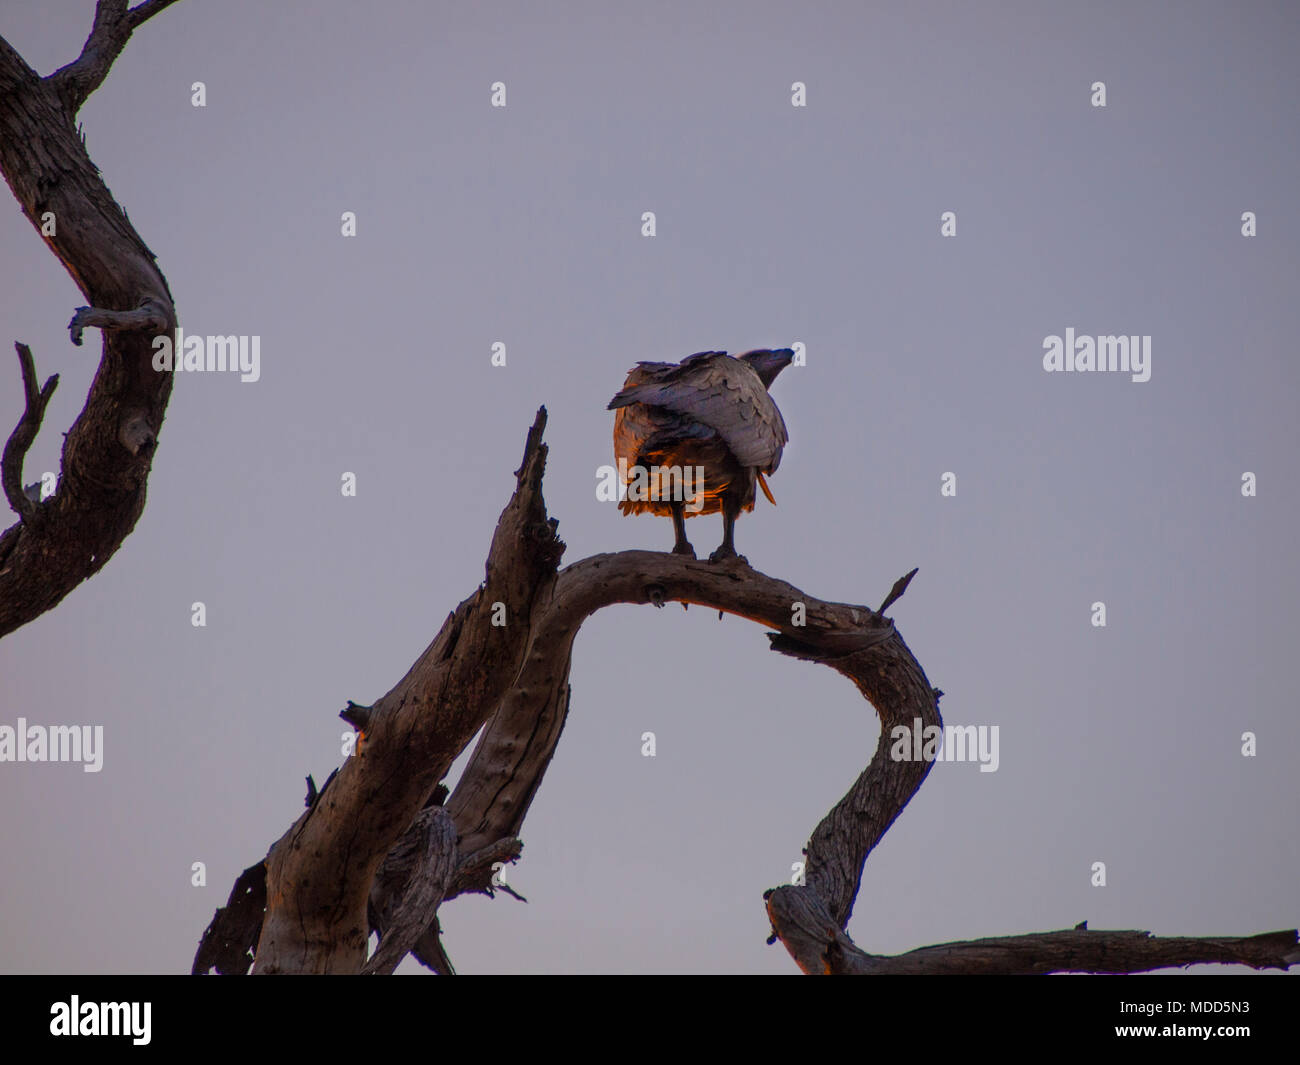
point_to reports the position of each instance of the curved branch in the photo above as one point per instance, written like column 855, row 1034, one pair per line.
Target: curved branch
column 515, row 677
column 108, row 452
column 150, row 316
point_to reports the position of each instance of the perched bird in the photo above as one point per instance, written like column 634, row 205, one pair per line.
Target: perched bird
column 711, row 411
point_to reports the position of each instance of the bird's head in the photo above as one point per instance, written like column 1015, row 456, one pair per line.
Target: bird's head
column 767, row 364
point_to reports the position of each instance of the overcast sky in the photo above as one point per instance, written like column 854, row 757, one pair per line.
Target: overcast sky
column 775, row 224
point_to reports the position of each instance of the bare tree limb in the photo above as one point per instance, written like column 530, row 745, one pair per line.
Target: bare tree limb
column 474, row 873
column 896, row 593
column 517, row 680
column 111, row 30
column 150, row 315
column 419, row 912
column 228, row 941
column 411, row 884
column 108, row 452
column 1072, row 951
column 498, row 785
column 545, row 612
column 318, row 923
column 429, row 951
column 11, row 467
column 355, row 715
column 144, row 11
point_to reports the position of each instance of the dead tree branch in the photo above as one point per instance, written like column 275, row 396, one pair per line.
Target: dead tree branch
column 228, row 942
column 378, row 850
column 1072, row 951
column 11, row 467
column 318, row 923
column 410, row 885
column 108, row 452
column 150, row 316
column 112, row 28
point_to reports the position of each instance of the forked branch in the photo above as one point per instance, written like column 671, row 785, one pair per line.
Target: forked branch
column 108, row 451
column 35, row 402
column 113, row 26
column 379, row 813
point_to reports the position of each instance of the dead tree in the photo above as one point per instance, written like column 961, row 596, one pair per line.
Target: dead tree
column 56, row 544
column 382, row 846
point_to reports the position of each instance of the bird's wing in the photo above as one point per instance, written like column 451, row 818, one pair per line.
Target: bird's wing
column 658, row 373
column 722, row 393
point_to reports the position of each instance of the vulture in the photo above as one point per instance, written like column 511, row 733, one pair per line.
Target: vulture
column 709, row 411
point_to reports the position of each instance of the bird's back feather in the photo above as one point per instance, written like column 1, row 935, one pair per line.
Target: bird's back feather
column 719, row 392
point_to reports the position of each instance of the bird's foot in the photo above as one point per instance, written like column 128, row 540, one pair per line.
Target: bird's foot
column 683, row 549
column 725, row 552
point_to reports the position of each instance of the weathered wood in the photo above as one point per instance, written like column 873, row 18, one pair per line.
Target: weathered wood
column 523, row 693
column 320, row 873
column 1068, row 951
column 229, row 940
column 108, row 452
column 35, row 400
column 411, row 883
column 114, row 23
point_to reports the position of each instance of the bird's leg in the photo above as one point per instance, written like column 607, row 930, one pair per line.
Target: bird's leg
column 727, row 549
column 682, row 546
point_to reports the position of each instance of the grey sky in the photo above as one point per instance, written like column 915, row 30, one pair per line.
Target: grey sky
column 775, row 224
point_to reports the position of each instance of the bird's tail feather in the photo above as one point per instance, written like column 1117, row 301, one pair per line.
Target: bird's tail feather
column 762, row 483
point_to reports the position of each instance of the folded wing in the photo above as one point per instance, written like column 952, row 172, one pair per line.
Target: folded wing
column 723, row 393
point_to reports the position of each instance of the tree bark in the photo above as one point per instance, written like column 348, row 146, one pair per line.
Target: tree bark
column 320, row 873
column 379, row 849
column 108, row 452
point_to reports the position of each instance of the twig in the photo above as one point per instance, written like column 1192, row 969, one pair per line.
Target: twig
column 24, row 433
column 896, row 592
column 356, row 715
column 149, row 315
